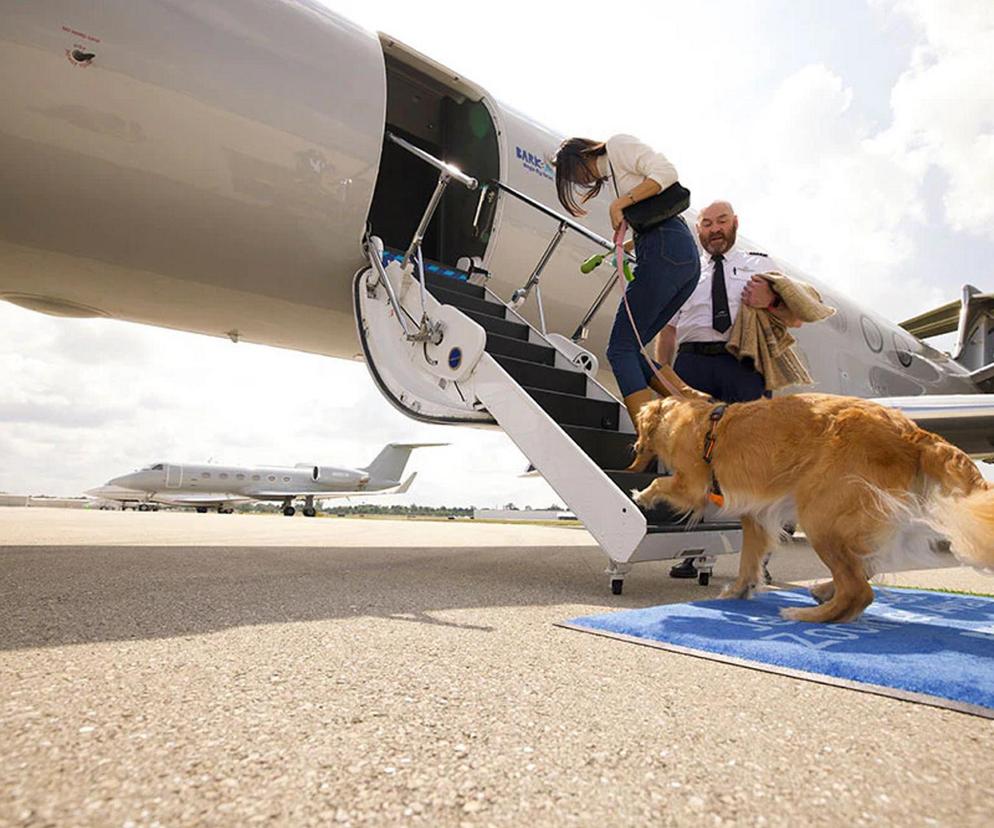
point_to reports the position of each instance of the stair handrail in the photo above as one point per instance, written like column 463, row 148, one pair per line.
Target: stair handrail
column 565, row 222
column 452, row 171
column 573, row 225
column 427, row 330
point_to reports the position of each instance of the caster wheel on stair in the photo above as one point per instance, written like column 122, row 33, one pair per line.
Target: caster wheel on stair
column 617, row 584
column 704, row 578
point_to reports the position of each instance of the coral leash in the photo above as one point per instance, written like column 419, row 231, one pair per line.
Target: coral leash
column 619, row 261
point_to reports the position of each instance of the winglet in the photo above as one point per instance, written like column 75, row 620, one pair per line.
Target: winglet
column 406, row 484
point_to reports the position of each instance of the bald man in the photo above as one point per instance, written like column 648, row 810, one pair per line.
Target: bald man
column 697, row 335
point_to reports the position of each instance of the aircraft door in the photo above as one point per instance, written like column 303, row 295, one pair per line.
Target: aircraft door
column 174, row 476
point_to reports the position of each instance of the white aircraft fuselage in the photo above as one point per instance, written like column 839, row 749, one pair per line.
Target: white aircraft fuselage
column 207, row 485
column 212, row 167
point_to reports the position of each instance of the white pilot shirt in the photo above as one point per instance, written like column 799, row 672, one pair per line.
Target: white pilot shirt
column 693, row 320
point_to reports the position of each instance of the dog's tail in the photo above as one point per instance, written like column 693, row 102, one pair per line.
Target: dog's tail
column 962, row 506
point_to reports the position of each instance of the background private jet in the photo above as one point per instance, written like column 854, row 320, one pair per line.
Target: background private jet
column 211, row 486
column 271, row 172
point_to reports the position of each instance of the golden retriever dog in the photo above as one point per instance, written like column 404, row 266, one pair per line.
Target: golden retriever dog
column 861, row 480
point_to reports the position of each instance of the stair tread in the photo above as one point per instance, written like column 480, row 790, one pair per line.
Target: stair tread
column 548, row 377
column 574, row 409
column 498, row 345
column 455, row 283
column 703, row 526
column 464, row 301
column 504, row 327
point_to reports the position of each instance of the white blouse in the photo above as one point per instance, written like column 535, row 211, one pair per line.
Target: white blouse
column 633, row 162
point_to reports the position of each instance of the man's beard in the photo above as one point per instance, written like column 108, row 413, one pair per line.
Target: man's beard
column 721, row 244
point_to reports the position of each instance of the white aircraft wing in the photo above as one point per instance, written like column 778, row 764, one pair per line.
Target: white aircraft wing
column 199, row 498
column 401, row 489
column 965, row 420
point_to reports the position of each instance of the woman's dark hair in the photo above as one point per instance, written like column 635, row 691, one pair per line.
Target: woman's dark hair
column 573, row 175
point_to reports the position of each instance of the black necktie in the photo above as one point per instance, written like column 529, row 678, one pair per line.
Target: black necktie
column 721, row 319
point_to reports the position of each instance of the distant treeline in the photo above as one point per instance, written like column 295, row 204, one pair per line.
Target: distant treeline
column 375, row 509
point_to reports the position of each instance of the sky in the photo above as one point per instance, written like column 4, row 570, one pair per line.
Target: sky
column 855, row 139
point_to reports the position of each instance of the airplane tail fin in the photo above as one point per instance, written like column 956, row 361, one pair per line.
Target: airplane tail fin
column 972, row 317
column 391, row 461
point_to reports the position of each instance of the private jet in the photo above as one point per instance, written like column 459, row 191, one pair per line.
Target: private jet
column 207, row 486
column 271, row 172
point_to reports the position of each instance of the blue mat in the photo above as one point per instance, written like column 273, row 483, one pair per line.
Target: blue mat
column 930, row 647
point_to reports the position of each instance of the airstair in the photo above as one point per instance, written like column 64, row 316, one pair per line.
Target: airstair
column 444, row 348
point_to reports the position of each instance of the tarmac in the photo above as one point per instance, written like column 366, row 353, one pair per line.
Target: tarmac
column 174, row 668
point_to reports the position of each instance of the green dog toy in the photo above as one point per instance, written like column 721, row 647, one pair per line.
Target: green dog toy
column 594, row 262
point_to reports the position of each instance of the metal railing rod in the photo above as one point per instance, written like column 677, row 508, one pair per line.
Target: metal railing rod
column 582, row 329
column 575, row 226
column 453, row 172
column 521, row 294
column 429, row 213
column 375, row 258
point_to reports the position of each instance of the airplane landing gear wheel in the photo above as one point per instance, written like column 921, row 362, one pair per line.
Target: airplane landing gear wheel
column 201, row 510
column 142, row 507
column 289, row 511
column 310, row 512
column 617, row 584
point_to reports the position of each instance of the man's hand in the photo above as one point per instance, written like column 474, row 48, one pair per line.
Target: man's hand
column 758, row 293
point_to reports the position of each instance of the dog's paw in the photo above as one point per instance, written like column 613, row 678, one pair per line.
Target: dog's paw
column 795, row 613
column 640, row 497
column 737, row 590
column 823, row 593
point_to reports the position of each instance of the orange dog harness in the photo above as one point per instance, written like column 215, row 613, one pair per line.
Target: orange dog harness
column 714, row 494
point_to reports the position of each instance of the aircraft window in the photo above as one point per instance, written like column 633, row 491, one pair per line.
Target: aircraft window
column 272, row 477
column 286, row 479
column 240, row 476
column 223, row 475
column 871, row 333
column 256, row 477
column 903, row 350
column 205, row 475
column 157, row 467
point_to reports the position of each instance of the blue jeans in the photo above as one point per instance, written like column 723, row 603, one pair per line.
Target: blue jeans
column 667, row 273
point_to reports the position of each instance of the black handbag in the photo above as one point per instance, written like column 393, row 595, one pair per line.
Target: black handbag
column 646, row 214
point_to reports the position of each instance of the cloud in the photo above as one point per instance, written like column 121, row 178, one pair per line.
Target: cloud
column 827, row 193
column 943, row 105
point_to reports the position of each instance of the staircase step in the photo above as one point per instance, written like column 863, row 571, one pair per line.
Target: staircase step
column 674, row 528
column 661, row 518
column 661, row 514
column 433, row 269
column 498, row 345
column 536, row 375
column 491, row 324
column 608, row 449
column 570, row 409
column 460, row 285
column 469, row 303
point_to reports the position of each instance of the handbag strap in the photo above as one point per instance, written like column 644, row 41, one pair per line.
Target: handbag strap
column 614, row 178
